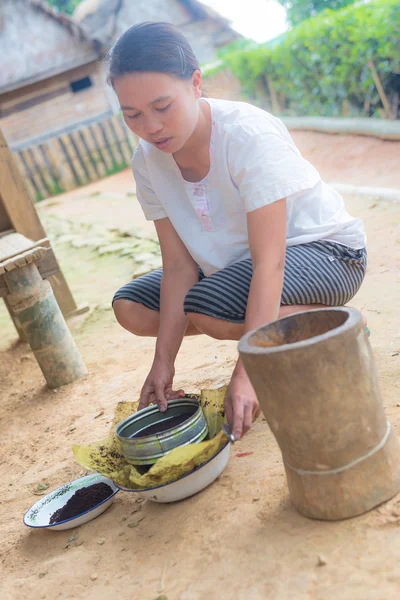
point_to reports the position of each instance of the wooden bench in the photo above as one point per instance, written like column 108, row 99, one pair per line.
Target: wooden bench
column 21, row 229
column 24, row 268
column 31, row 282
column 12, row 244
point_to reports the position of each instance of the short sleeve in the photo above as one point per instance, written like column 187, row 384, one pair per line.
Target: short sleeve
column 149, row 201
column 267, row 166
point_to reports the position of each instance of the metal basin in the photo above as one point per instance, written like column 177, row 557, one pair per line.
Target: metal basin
column 149, row 434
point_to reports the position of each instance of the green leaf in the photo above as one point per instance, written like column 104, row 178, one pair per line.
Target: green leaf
column 43, row 486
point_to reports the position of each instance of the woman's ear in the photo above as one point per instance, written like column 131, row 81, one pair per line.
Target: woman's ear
column 197, row 83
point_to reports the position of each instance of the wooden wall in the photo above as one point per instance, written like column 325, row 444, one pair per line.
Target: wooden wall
column 98, row 148
column 45, row 107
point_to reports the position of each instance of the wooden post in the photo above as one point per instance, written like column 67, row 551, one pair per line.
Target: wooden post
column 24, row 219
column 276, row 108
column 395, row 104
column 88, row 153
column 381, row 91
column 32, row 302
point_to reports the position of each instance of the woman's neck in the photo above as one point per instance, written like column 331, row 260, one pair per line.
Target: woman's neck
column 193, row 159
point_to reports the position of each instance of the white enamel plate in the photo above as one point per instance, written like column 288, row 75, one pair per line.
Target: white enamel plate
column 189, row 484
column 38, row 516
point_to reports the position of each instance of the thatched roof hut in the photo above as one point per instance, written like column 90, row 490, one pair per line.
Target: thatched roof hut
column 104, row 20
column 51, row 78
column 36, row 42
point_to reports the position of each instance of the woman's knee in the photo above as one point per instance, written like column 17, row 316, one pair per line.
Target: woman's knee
column 131, row 316
column 122, row 310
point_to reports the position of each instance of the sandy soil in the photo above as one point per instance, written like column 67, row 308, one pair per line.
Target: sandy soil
column 240, row 538
column 352, row 159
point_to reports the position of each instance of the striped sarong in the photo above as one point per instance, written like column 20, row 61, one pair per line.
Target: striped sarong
column 316, row 273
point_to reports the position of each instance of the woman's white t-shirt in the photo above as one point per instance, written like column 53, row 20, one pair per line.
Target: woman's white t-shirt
column 253, row 162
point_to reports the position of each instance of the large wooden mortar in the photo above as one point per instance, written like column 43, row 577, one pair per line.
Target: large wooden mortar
column 315, row 379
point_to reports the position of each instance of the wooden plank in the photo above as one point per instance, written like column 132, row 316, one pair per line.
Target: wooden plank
column 5, row 221
column 74, row 160
column 63, row 294
column 48, row 265
column 78, row 164
column 28, row 102
column 34, row 155
column 88, row 166
column 69, row 161
column 130, row 140
column 6, row 232
column 79, row 157
column 27, row 183
column 117, row 142
column 88, row 152
column 107, row 145
column 395, row 104
column 3, row 288
column 50, row 170
column 16, row 201
column 91, row 140
column 92, row 130
column 381, row 91
column 53, row 81
column 14, row 243
column 29, row 173
column 42, row 191
column 60, row 166
column 55, row 133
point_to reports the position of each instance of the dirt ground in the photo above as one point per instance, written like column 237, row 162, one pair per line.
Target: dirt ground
column 240, row 538
column 352, row 159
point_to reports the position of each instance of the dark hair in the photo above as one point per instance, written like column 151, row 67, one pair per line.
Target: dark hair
column 152, row 46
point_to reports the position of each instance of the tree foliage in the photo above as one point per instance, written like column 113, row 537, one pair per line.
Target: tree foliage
column 321, row 66
column 65, row 6
column 299, row 10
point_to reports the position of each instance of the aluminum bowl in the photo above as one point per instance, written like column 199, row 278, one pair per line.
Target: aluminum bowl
column 140, row 449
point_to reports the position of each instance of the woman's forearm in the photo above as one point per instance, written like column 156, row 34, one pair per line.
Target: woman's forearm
column 264, row 298
column 175, row 284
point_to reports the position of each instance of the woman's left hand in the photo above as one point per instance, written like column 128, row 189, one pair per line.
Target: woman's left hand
column 241, row 404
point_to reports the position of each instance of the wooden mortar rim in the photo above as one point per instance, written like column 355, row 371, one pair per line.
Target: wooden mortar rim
column 353, row 318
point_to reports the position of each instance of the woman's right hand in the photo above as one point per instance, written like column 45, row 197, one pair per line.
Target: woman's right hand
column 158, row 386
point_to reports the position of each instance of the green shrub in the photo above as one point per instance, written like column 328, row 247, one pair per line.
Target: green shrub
column 299, row 10
column 321, row 66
